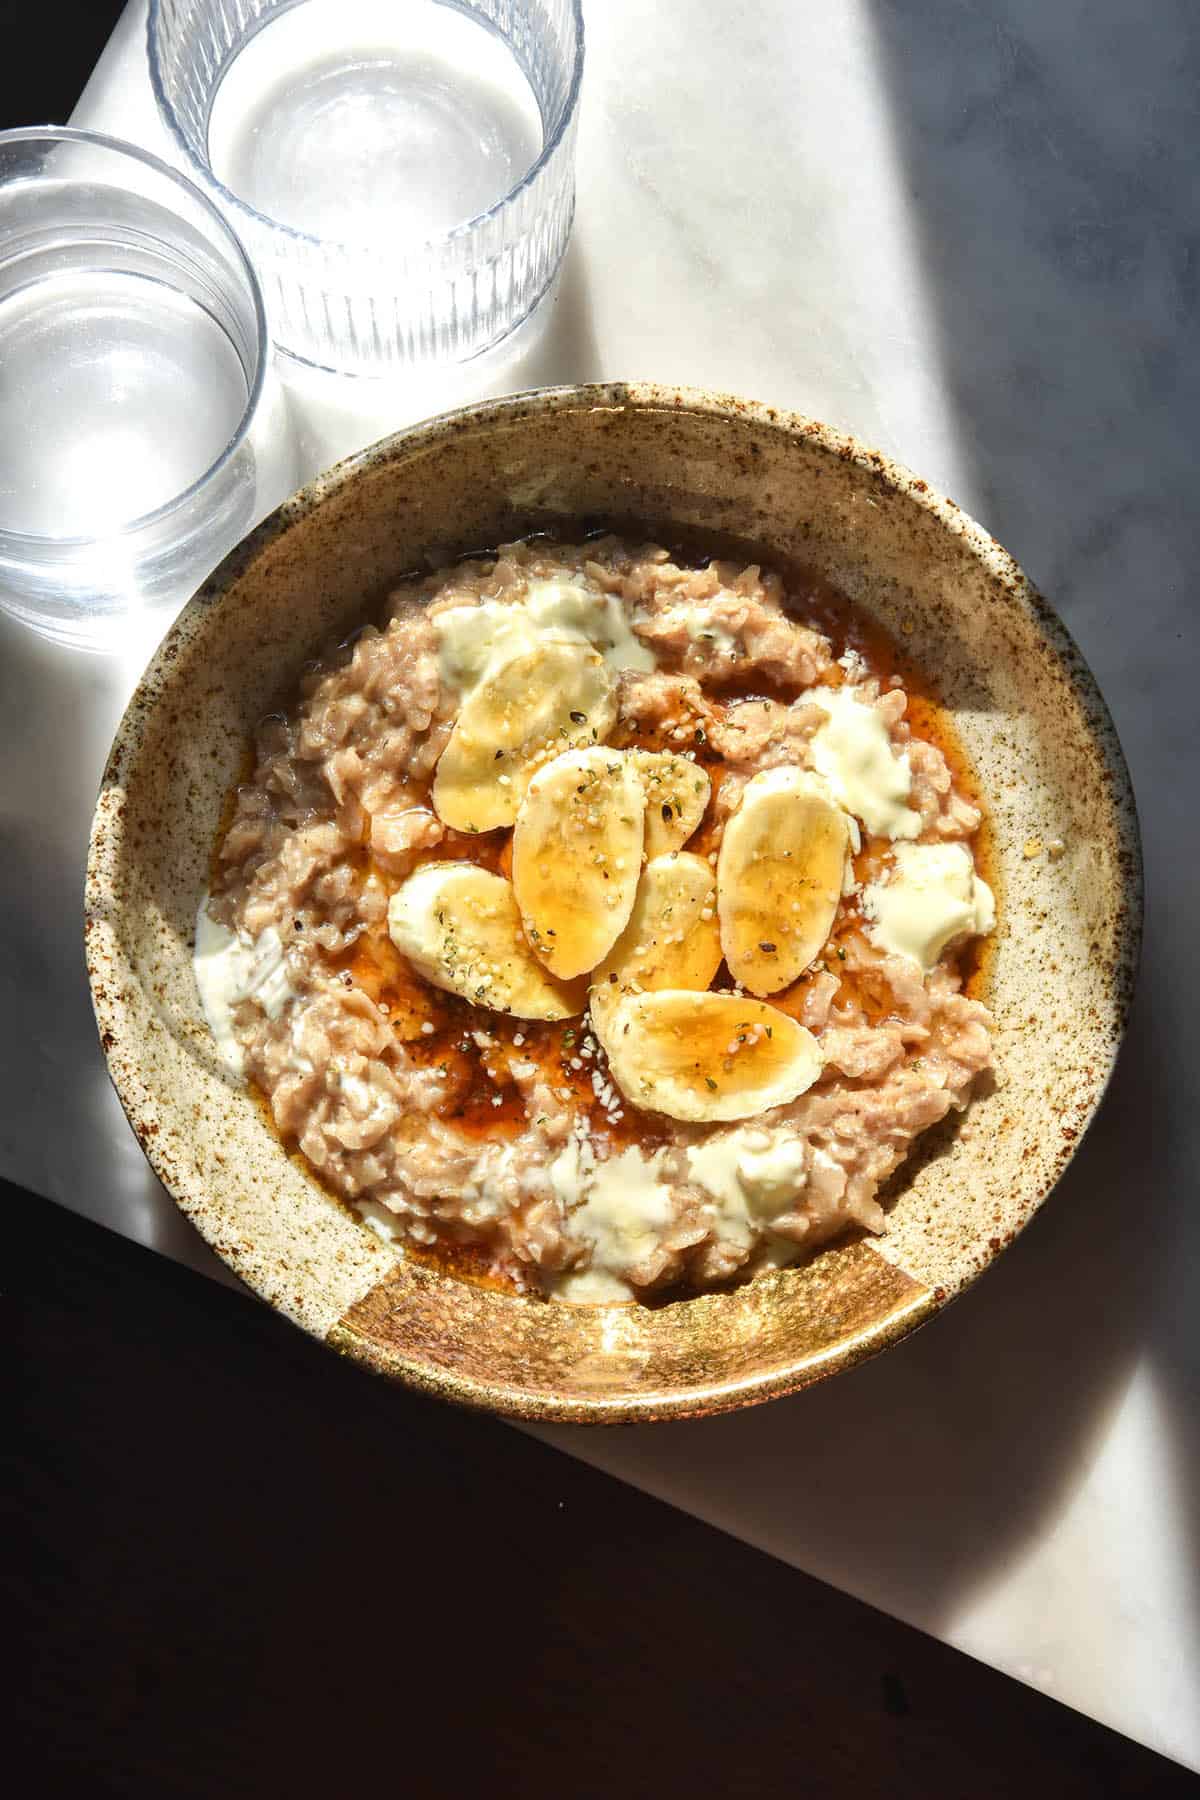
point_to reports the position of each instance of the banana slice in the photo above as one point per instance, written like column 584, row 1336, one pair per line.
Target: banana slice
column 668, row 942
column 459, row 927
column 577, row 856
column 677, row 793
column 706, row 1058
column 527, row 710
column 779, row 877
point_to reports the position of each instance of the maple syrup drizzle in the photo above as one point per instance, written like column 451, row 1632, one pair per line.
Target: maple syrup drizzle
column 442, row 1030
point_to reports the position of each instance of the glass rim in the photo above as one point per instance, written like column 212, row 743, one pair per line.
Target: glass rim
column 347, row 247
column 69, row 134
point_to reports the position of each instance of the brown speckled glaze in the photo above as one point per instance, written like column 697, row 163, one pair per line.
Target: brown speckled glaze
column 1026, row 707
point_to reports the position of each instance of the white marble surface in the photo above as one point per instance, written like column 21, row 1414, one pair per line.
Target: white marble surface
column 968, row 234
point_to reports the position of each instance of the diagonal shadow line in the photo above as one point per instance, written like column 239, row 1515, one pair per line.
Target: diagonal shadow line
column 1054, row 154
column 1077, row 411
column 980, row 1427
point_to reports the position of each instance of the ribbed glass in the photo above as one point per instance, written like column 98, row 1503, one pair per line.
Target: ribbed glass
column 369, row 309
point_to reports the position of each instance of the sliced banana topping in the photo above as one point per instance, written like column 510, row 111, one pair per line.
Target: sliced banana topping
column 676, row 795
column 524, row 711
column 706, row 1058
column 577, row 856
column 460, row 928
column 671, row 940
column 779, row 877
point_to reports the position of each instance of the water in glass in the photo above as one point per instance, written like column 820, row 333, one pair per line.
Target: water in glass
column 361, row 121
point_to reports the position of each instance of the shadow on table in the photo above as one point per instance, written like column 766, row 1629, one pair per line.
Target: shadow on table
column 1053, row 156
column 933, row 1465
column 1052, row 162
column 62, row 1133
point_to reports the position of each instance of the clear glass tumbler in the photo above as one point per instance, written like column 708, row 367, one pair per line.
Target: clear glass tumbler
column 402, row 175
column 134, row 452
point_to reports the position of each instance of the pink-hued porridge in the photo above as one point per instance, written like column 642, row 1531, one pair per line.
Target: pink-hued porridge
column 601, row 923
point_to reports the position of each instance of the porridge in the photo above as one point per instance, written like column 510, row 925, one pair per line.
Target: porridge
column 600, row 924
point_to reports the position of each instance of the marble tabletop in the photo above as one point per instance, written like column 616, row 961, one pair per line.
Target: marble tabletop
column 966, row 233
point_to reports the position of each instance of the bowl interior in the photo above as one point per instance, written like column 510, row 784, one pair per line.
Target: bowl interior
column 1027, row 711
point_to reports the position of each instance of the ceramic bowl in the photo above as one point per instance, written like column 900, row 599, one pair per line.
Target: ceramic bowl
column 1059, row 979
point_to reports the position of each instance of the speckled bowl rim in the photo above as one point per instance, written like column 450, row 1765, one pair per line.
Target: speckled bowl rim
column 119, row 1036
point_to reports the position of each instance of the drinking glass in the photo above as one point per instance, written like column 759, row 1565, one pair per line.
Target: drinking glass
column 402, row 175
column 135, row 449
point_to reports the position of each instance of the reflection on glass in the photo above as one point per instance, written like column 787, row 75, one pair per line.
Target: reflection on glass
column 135, row 445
